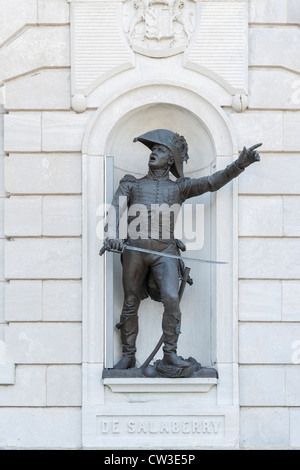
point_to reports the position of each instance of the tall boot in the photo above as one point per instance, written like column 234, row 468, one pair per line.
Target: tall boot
column 171, row 330
column 129, row 330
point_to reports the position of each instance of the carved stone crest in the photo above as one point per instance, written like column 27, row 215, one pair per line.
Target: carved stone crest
column 159, row 28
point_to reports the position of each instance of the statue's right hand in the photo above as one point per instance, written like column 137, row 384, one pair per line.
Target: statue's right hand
column 112, row 244
column 115, row 244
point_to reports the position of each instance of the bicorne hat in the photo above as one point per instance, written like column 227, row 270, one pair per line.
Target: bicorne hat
column 176, row 143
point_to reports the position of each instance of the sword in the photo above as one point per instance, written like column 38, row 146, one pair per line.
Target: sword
column 159, row 253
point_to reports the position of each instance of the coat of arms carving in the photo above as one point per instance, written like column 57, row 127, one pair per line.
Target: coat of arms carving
column 159, row 28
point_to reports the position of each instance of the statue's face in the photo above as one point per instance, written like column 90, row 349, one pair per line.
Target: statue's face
column 160, row 157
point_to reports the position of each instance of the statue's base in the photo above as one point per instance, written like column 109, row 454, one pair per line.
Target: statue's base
column 194, row 370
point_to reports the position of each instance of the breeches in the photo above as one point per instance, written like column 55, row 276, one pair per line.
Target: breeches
column 136, row 266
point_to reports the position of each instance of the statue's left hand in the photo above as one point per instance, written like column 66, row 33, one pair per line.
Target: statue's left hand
column 248, row 156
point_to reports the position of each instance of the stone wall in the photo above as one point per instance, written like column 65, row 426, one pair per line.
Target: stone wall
column 269, row 229
column 40, row 258
column 41, row 199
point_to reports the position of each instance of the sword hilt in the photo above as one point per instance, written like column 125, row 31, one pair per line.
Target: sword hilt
column 105, row 248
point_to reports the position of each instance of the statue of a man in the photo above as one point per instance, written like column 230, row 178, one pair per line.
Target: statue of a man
column 168, row 153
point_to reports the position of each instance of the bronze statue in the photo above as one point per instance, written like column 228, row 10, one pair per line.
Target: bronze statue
column 156, row 271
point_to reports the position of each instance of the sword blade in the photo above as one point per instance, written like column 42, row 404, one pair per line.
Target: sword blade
column 168, row 255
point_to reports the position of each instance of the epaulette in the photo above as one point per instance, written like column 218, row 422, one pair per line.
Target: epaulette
column 128, row 179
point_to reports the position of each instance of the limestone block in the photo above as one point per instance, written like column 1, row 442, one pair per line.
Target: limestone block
column 266, row 45
column 260, row 216
column 2, row 249
column 22, row 132
column 56, row 11
column 262, row 385
column 7, row 373
column 44, row 343
column 264, row 11
column 291, row 216
column 220, row 43
column 291, row 137
column 30, row 51
column 273, row 89
column 62, row 215
column 99, row 46
column 292, row 385
column 29, row 388
column 253, row 127
column 63, row 131
column 64, row 386
column 40, row 428
column 268, row 343
column 291, row 301
column 43, row 258
column 260, row 300
column 225, row 393
column 92, row 394
column 23, row 216
column 43, row 89
column 15, row 16
column 62, row 301
column 2, row 201
column 293, row 11
column 264, row 428
column 269, row 258
column 274, row 174
column 43, row 174
column 2, row 188
column 1, row 129
column 295, row 427
column 2, row 301
column 23, row 301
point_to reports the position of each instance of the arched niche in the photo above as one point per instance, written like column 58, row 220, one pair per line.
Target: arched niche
column 198, row 323
column 212, row 335
column 208, row 336
column 118, row 107
column 133, row 157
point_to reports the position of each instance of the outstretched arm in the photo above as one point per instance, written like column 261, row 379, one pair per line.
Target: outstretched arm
column 195, row 187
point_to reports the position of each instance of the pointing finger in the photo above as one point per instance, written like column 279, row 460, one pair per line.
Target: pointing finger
column 254, row 147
